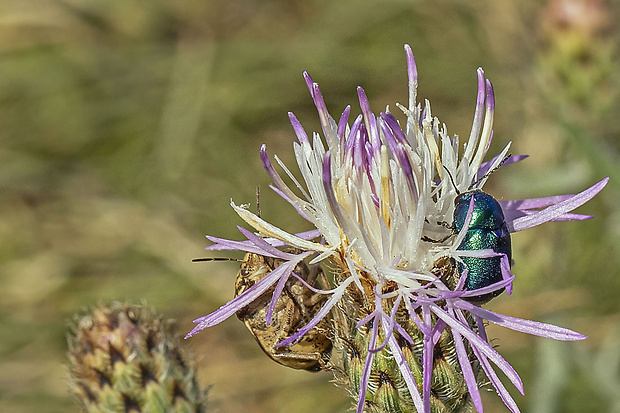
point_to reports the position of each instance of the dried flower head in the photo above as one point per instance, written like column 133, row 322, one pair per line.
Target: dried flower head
column 381, row 194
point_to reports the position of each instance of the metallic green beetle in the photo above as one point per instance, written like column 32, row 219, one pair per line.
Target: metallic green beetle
column 487, row 230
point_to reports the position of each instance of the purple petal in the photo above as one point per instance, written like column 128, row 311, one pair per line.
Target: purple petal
column 493, row 378
column 355, row 129
column 484, row 347
column 319, row 315
column 488, row 289
column 478, row 114
column 321, row 108
column 484, row 168
column 439, row 327
column 290, row 201
column 277, row 292
column 358, row 148
column 556, row 210
column 506, row 274
column 361, row 401
column 525, row 326
column 342, row 123
column 247, row 246
column 490, row 96
column 273, row 174
column 222, row 244
column 319, row 102
column 511, row 215
column 365, row 319
column 468, row 373
column 299, row 130
column 239, row 302
column 265, row 246
column 391, row 324
column 482, row 332
column 307, row 235
column 336, row 208
column 534, row 203
column 496, row 382
column 572, row 217
column 309, row 81
column 370, row 120
column 412, row 70
column 364, row 104
column 406, row 373
column 395, row 128
column 389, row 126
column 311, row 288
column 427, row 362
column 403, row 333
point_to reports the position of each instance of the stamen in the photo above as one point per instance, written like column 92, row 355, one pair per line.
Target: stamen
column 430, row 140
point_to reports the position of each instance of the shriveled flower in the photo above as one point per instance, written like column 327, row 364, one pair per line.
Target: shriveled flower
column 381, row 194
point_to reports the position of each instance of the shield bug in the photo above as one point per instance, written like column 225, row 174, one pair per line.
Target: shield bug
column 294, row 309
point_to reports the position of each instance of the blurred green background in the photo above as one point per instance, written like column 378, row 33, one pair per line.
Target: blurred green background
column 126, row 126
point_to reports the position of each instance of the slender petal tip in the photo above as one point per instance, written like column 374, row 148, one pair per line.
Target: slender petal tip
column 263, row 153
column 490, row 96
column 481, row 87
column 412, row 70
column 364, row 104
column 299, row 130
column 308, row 80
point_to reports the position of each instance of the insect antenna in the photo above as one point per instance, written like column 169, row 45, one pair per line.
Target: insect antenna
column 232, row 259
column 451, row 180
column 215, row 259
column 489, row 172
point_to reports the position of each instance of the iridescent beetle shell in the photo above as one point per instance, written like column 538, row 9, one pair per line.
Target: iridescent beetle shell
column 487, row 230
column 294, row 309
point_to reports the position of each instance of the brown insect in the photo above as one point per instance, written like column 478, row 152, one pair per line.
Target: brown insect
column 445, row 268
column 295, row 307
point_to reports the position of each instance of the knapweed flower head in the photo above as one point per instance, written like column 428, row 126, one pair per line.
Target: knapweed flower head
column 381, row 194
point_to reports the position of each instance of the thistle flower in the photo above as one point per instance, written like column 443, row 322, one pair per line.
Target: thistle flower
column 378, row 191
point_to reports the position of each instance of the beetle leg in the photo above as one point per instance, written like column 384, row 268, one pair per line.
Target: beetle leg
column 288, row 321
column 434, row 241
column 313, row 299
column 322, row 277
column 446, row 225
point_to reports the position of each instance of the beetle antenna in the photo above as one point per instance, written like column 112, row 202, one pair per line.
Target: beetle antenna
column 489, row 172
column 451, row 180
column 233, row 259
column 215, row 259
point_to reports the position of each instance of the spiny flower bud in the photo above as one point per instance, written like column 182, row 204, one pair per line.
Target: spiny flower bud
column 125, row 358
column 387, row 391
